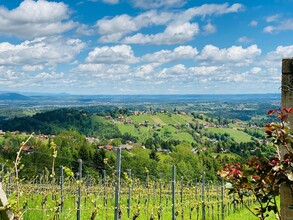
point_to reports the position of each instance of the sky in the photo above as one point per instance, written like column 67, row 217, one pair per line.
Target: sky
column 144, row 46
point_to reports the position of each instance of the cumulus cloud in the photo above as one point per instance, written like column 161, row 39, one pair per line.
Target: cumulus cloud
column 35, row 19
column 244, row 39
column 282, row 26
column 272, row 18
column 40, row 51
column 85, row 30
column 116, row 54
column 110, row 72
column 173, row 34
column 243, row 56
column 214, row 9
column 51, row 75
column 253, row 23
column 113, row 29
column 273, row 58
column 177, row 25
column 111, row 2
column 32, row 68
column 166, row 56
column 255, row 70
column 147, row 4
column 209, row 29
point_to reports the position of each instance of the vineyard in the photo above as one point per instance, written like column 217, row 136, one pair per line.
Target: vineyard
column 117, row 196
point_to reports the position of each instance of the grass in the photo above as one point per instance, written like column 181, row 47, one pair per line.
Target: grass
column 128, row 128
column 144, row 200
column 239, row 136
column 142, row 118
column 166, row 119
column 1, row 139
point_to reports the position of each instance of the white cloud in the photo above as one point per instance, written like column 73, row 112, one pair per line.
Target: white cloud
column 277, row 55
column 209, row 28
column 272, row 18
column 40, row 51
column 113, row 29
column 35, row 19
column 32, row 68
column 112, row 2
column 242, row 56
column 86, row 30
column 166, row 56
column 255, row 70
column 176, row 71
column 203, row 70
column 52, row 75
column 173, row 34
column 145, row 70
column 177, row 24
column 215, row 9
column 282, row 26
column 253, row 23
column 147, row 4
column 116, row 54
column 244, row 39
column 100, row 72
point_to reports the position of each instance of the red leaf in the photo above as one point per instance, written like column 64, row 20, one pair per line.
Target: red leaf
column 287, row 110
column 284, row 117
column 268, row 127
column 270, row 112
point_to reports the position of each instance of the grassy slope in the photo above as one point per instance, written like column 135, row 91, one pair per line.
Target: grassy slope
column 239, row 136
column 142, row 118
column 166, row 119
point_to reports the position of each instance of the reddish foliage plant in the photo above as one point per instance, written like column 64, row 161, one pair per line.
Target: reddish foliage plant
column 262, row 177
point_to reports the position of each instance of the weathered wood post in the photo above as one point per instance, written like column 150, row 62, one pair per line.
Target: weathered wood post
column 117, row 187
column 287, row 102
column 5, row 214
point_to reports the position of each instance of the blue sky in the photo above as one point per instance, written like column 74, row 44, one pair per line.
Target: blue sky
column 144, row 46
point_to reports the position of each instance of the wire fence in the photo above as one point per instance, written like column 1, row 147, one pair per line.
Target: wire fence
column 112, row 197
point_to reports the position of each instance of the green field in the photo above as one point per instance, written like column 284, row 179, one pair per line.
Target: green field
column 1, row 139
column 239, row 136
column 128, row 128
column 142, row 118
column 162, row 118
column 166, row 119
column 145, row 201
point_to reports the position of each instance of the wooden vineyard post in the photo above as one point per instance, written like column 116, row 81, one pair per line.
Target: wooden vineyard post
column 160, row 193
column 173, row 192
column 222, row 199
column 105, row 186
column 202, row 196
column 61, row 187
column 5, row 214
column 79, row 190
column 286, row 197
column 129, row 195
column 117, row 188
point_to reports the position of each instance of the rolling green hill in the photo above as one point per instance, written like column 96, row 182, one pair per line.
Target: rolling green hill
column 239, row 136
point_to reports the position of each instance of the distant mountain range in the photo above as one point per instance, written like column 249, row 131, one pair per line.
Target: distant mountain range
column 13, row 96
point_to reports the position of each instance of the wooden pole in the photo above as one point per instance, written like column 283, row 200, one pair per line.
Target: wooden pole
column 286, row 198
column 117, row 189
column 173, row 192
column 78, row 213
